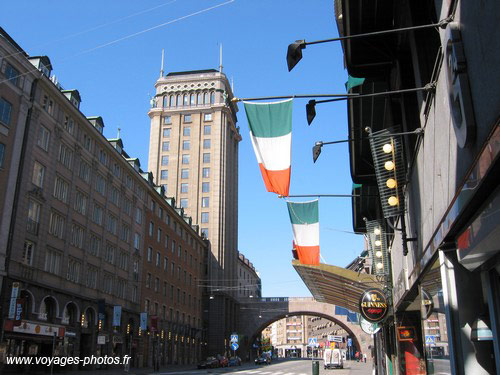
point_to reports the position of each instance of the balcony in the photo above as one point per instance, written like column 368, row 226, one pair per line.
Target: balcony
column 32, row 226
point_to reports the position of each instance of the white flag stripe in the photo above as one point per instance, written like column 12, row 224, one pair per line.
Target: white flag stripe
column 274, row 153
column 306, row 234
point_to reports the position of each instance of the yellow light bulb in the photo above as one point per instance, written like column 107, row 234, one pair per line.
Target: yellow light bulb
column 378, row 254
column 376, row 231
column 389, row 165
column 378, row 243
column 391, row 183
column 387, row 148
column 393, row 201
column 380, row 266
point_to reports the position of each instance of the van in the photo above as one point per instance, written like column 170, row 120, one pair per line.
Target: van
column 332, row 358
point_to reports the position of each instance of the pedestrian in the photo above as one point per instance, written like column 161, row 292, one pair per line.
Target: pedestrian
column 356, row 355
column 364, row 357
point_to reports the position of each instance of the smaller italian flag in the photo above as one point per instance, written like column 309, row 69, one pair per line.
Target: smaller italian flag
column 305, row 224
column 271, row 134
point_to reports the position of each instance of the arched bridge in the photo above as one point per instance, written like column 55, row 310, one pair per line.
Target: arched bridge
column 257, row 313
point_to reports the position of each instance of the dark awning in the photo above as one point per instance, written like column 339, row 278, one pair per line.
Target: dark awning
column 336, row 285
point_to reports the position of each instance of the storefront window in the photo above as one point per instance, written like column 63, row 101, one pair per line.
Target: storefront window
column 435, row 333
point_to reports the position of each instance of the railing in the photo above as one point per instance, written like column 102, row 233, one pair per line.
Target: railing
column 27, row 272
column 32, row 227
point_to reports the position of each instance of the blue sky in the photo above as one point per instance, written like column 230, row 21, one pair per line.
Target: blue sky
column 103, row 49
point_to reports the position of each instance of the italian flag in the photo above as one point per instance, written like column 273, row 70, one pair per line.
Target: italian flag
column 271, row 134
column 305, row 224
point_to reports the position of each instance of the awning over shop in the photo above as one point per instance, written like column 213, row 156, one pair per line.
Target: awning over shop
column 336, row 285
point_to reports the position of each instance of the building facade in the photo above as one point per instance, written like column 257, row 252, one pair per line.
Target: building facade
column 173, row 265
column 75, row 218
column 193, row 154
column 443, row 230
column 249, row 283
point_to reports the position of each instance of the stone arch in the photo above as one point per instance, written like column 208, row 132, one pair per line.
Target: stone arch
column 275, row 318
column 71, row 312
column 48, row 303
column 91, row 312
column 32, row 301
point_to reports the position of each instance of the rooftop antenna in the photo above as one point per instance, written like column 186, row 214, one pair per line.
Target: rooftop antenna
column 162, row 58
column 118, row 133
column 220, row 58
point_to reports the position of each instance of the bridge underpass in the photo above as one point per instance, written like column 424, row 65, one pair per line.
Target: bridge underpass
column 257, row 313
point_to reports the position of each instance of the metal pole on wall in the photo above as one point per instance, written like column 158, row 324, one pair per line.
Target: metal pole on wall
column 53, row 350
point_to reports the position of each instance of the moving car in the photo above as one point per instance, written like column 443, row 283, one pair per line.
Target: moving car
column 210, row 362
column 235, row 361
column 332, row 358
column 263, row 359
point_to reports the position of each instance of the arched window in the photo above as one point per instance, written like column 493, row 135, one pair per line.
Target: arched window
column 70, row 314
column 179, row 103
column 185, row 100
column 165, row 101
column 212, row 97
column 172, row 101
column 200, row 98
column 205, row 98
column 47, row 310
column 89, row 320
column 192, row 99
column 27, row 304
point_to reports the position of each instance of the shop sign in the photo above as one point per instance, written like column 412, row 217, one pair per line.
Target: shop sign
column 407, row 334
column 18, row 317
column 373, row 305
column 13, row 298
column 144, row 321
column 101, row 340
column 70, row 334
column 117, row 315
column 117, row 340
column 368, row 327
column 427, row 305
column 39, row 329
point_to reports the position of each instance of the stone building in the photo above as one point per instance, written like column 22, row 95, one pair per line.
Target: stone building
column 193, row 154
column 173, row 265
column 249, row 283
column 75, row 209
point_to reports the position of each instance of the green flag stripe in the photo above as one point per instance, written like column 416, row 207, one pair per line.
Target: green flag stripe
column 269, row 120
column 303, row 213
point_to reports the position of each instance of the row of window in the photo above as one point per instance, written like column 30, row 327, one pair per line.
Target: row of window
column 155, row 285
column 187, row 118
column 182, row 318
column 185, row 158
column 65, row 156
column 74, row 272
column 188, row 99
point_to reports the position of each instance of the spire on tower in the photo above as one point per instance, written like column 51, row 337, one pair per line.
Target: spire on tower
column 162, row 59
column 220, row 58
column 118, row 137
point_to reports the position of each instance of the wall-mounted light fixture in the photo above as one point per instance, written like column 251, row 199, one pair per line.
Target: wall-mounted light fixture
column 294, row 51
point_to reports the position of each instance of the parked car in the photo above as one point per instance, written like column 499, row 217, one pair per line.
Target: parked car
column 210, row 362
column 235, row 361
column 223, row 361
column 263, row 360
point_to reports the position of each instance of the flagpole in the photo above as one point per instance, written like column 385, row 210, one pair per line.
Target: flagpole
column 327, row 195
column 341, row 96
column 429, row 87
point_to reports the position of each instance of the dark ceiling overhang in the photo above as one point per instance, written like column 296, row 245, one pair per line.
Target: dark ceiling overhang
column 367, row 57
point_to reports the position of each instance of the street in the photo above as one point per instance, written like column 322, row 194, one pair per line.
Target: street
column 289, row 367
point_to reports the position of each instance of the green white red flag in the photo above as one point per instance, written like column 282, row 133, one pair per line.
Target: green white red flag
column 271, row 134
column 305, row 224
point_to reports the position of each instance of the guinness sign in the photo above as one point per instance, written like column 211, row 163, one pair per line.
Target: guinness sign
column 373, row 305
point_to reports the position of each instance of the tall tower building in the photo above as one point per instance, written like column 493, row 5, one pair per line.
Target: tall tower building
column 193, row 153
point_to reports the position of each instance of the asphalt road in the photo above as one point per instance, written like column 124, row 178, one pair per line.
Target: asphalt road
column 290, row 367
